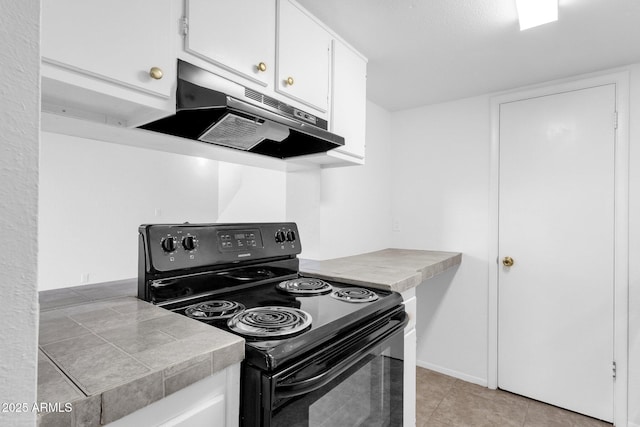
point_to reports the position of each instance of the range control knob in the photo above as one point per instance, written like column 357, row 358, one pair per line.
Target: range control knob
column 169, row 244
column 291, row 236
column 189, row 243
column 280, row 237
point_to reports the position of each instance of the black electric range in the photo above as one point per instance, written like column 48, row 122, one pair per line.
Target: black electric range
column 302, row 333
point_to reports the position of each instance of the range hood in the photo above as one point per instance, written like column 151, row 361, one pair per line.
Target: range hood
column 215, row 110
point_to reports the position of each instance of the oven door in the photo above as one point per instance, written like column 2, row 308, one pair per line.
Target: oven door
column 359, row 384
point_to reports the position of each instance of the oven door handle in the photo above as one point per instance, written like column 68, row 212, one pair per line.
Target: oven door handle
column 316, row 382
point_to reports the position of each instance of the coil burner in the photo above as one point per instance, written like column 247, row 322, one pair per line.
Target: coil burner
column 355, row 295
column 305, row 286
column 270, row 322
column 213, row 310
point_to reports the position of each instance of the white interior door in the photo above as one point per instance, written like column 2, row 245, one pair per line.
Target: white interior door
column 556, row 221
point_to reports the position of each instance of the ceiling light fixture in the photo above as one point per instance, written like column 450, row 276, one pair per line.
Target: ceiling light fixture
column 532, row 13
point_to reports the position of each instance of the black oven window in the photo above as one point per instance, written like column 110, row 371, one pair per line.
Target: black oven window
column 368, row 394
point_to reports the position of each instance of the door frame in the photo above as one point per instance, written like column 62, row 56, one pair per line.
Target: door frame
column 621, row 225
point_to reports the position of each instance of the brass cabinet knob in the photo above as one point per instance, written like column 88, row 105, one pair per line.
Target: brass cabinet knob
column 262, row 66
column 289, row 81
column 156, row 73
column 507, row 261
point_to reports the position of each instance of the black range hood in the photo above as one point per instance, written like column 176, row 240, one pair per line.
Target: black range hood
column 212, row 109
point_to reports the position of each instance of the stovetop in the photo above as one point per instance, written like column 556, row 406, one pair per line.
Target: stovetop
column 182, row 265
column 330, row 318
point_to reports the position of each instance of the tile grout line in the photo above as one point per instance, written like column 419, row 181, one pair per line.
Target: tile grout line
column 449, row 391
column 526, row 414
column 530, row 408
column 66, row 376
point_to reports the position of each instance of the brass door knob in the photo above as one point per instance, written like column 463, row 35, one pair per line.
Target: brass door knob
column 507, row 261
column 156, row 73
column 262, row 66
column 289, row 81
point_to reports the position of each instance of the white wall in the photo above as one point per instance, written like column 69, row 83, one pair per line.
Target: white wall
column 303, row 208
column 251, row 194
column 355, row 215
column 19, row 124
column 94, row 195
column 440, row 170
column 439, row 195
column 99, row 192
column 345, row 210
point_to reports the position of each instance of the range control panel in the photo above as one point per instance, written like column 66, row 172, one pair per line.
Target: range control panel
column 239, row 240
column 170, row 247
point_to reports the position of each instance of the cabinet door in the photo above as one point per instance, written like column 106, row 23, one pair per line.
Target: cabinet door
column 236, row 35
column 212, row 401
column 202, row 415
column 82, row 35
column 349, row 99
column 303, row 57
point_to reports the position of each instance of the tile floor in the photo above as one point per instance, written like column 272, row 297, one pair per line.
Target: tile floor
column 446, row 401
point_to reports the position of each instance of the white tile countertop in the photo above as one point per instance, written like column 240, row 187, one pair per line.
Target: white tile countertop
column 108, row 354
column 391, row 269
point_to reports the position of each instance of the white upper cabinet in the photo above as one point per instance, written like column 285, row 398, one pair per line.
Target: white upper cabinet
column 110, row 61
column 275, row 45
column 238, row 36
column 349, row 98
column 303, row 60
column 115, row 62
column 119, row 41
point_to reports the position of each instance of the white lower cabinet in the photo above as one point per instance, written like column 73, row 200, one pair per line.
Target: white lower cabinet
column 201, row 415
column 213, row 401
column 409, row 380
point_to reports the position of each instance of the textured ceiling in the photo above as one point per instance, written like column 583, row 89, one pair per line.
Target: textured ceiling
column 428, row 51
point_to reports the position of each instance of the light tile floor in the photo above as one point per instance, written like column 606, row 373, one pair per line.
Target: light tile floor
column 446, row 401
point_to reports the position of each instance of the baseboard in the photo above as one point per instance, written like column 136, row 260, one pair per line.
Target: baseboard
column 455, row 374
